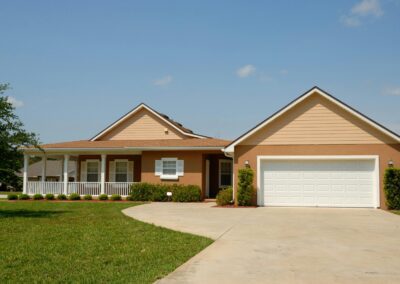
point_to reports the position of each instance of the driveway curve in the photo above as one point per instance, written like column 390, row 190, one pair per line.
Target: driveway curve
column 282, row 245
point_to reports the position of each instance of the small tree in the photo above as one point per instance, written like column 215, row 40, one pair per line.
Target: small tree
column 392, row 188
column 12, row 137
column 245, row 187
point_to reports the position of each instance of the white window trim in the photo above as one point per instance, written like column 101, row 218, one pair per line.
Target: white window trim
column 169, row 177
column 220, row 161
column 98, row 169
column 115, row 167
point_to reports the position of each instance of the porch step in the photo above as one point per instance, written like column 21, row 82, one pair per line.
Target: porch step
column 209, row 200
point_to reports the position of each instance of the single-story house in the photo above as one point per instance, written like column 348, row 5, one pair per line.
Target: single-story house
column 316, row 151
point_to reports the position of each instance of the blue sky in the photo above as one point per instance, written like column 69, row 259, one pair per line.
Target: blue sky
column 218, row 67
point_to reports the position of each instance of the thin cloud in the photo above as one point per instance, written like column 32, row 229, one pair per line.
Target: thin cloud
column 163, row 81
column 284, row 72
column 16, row 103
column 246, row 71
column 360, row 11
column 392, row 91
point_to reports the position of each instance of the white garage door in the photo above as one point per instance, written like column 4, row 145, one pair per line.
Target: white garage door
column 330, row 183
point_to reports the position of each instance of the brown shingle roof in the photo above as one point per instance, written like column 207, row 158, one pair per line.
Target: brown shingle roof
column 139, row 143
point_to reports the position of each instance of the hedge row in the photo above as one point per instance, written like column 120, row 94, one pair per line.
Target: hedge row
column 72, row 196
column 158, row 192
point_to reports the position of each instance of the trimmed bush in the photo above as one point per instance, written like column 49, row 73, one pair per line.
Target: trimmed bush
column 12, row 196
column 61, row 197
column 49, row 196
column 103, row 197
column 142, row 191
column 23, row 196
column 186, row 193
column 224, row 196
column 159, row 192
column 129, row 198
column 37, row 196
column 74, row 196
column 245, row 187
column 392, row 188
column 116, row 197
column 87, row 197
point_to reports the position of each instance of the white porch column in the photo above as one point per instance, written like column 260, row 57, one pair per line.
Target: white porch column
column 44, row 165
column 65, row 179
column 103, row 173
column 25, row 174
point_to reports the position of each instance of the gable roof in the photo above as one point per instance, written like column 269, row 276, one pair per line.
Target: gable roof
column 163, row 117
column 314, row 90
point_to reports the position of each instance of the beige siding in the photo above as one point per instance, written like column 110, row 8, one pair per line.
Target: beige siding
column 317, row 121
column 142, row 125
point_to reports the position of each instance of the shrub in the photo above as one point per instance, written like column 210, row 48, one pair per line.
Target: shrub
column 49, row 196
column 12, row 196
column 87, row 197
column 159, row 192
column 129, row 198
column 224, row 196
column 392, row 188
column 103, row 197
column 116, row 197
column 74, row 196
column 61, row 197
column 186, row 193
column 23, row 196
column 37, row 196
column 245, row 187
column 142, row 191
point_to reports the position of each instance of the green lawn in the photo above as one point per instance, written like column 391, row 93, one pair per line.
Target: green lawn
column 86, row 242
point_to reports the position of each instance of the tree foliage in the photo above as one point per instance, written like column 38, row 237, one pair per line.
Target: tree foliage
column 12, row 137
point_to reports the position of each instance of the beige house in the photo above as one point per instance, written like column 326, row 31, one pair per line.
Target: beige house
column 316, row 151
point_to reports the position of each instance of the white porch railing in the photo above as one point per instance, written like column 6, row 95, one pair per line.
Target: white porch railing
column 44, row 187
column 121, row 188
column 82, row 188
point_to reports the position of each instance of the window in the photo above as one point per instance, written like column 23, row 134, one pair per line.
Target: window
column 225, row 173
column 121, row 171
column 92, row 174
column 169, row 168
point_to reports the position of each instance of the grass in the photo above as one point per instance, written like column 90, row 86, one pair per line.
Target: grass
column 395, row 212
column 86, row 242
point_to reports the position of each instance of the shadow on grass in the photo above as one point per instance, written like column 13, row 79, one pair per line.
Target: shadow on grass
column 29, row 213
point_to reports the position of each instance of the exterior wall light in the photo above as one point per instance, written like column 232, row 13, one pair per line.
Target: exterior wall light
column 246, row 163
column 390, row 163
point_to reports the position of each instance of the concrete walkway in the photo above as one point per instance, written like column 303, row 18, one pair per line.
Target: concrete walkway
column 283, row 245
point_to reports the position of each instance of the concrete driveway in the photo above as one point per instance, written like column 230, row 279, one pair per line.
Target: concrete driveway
column 283, row 245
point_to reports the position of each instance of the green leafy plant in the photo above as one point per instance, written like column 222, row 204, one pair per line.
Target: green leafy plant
column 61, row 197
column 142, row 191
column 129, row 198
column 392, row 188
column 49, row 196
column 186, row 193
column 23, row 196
column 74, row 196
column 159, row 192
column 224, row 196
column 245, row 187
column 12, row 196
column 116, row 197
column 37, row 196
column 103, row 197
column 87, row 197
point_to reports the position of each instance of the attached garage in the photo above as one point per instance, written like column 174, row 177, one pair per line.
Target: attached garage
column 317, row 151
column 344, row 181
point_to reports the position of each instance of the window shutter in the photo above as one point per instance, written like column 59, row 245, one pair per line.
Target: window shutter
column 158, row 168
column 179, row 168
column 83, row 171
column 111, row 171
column 130, row 171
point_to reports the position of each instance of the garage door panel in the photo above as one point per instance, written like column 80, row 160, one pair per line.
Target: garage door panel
column 338, row 183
